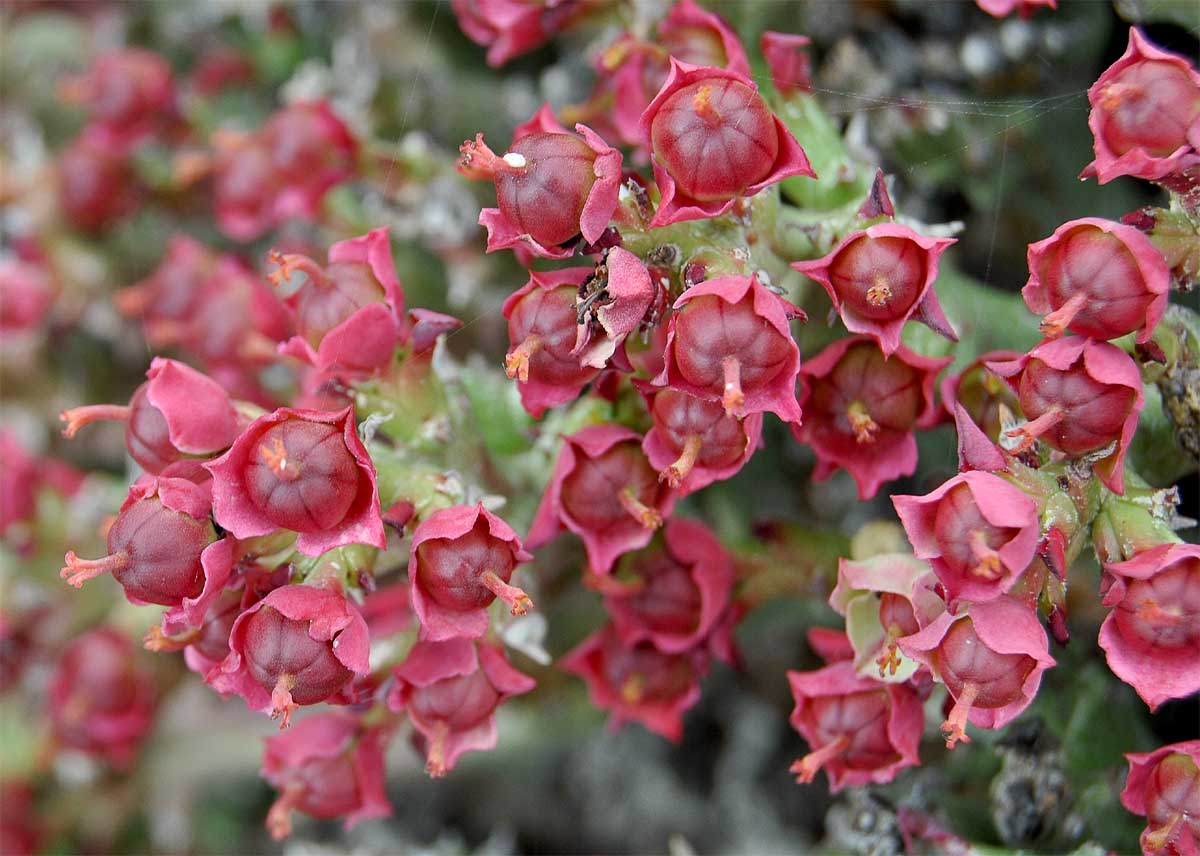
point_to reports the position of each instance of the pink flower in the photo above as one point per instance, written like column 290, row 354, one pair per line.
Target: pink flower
column 27, row 292
column 693, row 442
column 859, row 730
column 880, row 278
column 884, row 598
column 328, row 766
column 461, row 560
column 96, row 184
column 509, row 28
column 613, row 302
column 679, row 592
column 542, row 328
column 638, row 682
column 101, row 699
column 1164, row 787
column 605, row 491
column 714, row 140
column 990, row 657
column 729, row 341
column 304, row 470
column 178, row 412
column 978, row 531
column 980, row 392
column 450, row 690
column 862, row 410
column 129, row 94
column 787, row 57
column 1145, row 117
column 551, row 186
column 1153, row 632
column 349, row 313
column 1082, row 397
column 299, row 645
column 1097, row 278
column 163, row 549
column 1004, row 8
column 173, row 291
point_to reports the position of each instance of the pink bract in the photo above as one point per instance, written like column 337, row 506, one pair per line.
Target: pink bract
column 235, row 506
column 729, row 341
column 450, row 691
column 698, row 184
column 1153, row 631
column 461, row 559
column 881, row 277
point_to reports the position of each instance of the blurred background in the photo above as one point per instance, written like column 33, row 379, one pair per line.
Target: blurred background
column 981, row 122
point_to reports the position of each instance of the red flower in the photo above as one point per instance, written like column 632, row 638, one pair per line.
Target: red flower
column 350, row 313
column 178, row 412
column 1097, row 278
column 787, row 57
column 679, row 594
column 129, row 94
column 862, row 410
column 509, row 28
column 978, row 531
column 990, row 658
column 612, row 303
column 1145, row 117
column 638, row 682
column 27, row 291
column 1153, row 632
column 1164, row 787
column 163, row 549
column 451, row 690
column 304, row 470
column 461, row 560
column 551, row 185
column 884, row 598
column 101, row 699
column 299, row 645
column 714, row 140
column 327, row 766
column 175, row 290
column 605, row 491
column 693, row 442
column 860, row 731
column 1082, row 397
column 980, row 392
column 311, row 151
column 729, row 341
column 881, row 277
column 1004, row 8
column 542, row 329
column 96, row 186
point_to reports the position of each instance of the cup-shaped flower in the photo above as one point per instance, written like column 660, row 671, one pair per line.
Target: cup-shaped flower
column 859, row 731
column 714, row 140
column 462, row 558
column 329, row 765
column 1164, row 787
column 1145, row 117
column 884, row 598
column 729, row 341
column 605, row 491
column 450, row 691
column 551, row 186
column 639, row 683
column 990, row 657
column 297, row 646
column 1097, row 278
column 676, row 593
column 978, row 531
column 542, row 328
column 101, row 699
column 162, row 549
column 304, row 470
column 1152, row 634
column 1081, row 397
column 862, row 410
column 881, row 277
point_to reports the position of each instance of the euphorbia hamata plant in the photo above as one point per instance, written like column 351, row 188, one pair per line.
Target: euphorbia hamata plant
column 345, row 531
